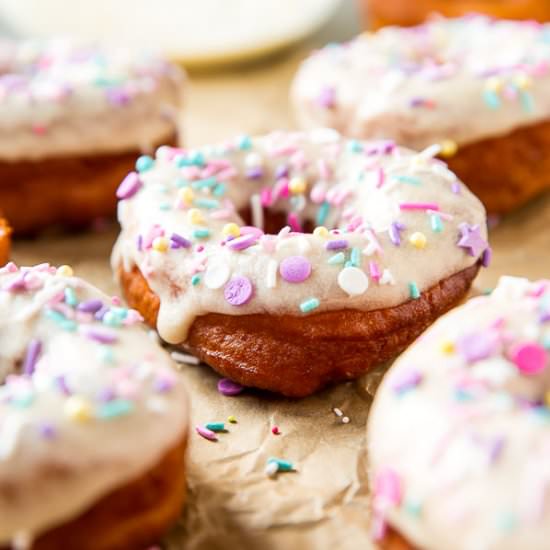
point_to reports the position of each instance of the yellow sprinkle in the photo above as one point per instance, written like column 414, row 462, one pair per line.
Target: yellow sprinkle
column 297, row 185
column 494, row 84
column 448, row 148
column 65, row 271
column 232, row 419
column 195, row 216
column 161, row 244
column 547, row 399
column 187, row 196
column 447, row 347
column 418, row 239
column 78, row 408
column 231, row 229
column 320, row 231
column 523, row 81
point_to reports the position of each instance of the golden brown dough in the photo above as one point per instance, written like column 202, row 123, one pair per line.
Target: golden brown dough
column 5, row 237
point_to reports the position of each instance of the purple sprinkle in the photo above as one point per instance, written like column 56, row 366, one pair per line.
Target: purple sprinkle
column 106, row 395
column 254, row 173
column 229, row 388
column 31, row 357
column 118, row 97
column 99, row 314
column 295, row 269
column 90, row 306
column 476, row 346
column 337, row 244
column 544, row 316
column 395, row 232
column 130, row 185
column 455, row 187
column 495, row 449
column 406, row 381
column 63, row 386
column 241, row 243
column 103, row 336
column 327, row 97
column 486, row 257
column 47, row 431
column 177, row 241
column 163, row 385
column 238, row 290
column 281, row 171
column 417, row 102
column 139, row 243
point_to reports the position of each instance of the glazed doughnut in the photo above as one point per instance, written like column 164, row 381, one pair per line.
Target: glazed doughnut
column 478, row 87
column 291, row 311
column 5, row 233
column 73, row 119
column 459, row 435
column 93, row 419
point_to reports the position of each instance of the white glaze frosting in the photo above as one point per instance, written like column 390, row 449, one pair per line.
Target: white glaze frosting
column 98, row 406
column 459, row 432
column 59, row 99
column 460, row 79
column 361, row 189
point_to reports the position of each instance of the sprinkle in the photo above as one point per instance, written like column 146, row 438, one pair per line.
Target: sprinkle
column 402, row 382
column 206, row 433
column 327, row 97
column 244, row 143
column 418, row 240
column 177, row 241
column 78, row 408
column 411, row 180
column 186, row 196
column 196, row 279
column 436, row 223
column 471, row 239
column 194, row 216
column 160, row 244
column 257, row 211
column 295, row 269
column 486, row 257
column 130, row 185
column 322, row 213
column 448, row 148
column 215, row 426
column 353, row 281
column 97, row 334
column 387, row 278
column 387, row 488
column 64, row 271
column 271, row 469
column 115, row 409
column 282, row 465
column 527, row 102
column 529, row 357
column 144, row 163
column 395, row 232
column 321, row 232
column 90, row 306
column 476, row 346
column 419, row 206
column 271, row 276
column 309, row 305
column 297, row 185
column 337, row 259
column 354, row 146
column 229, row 388
column 231, row 229
column 206, row 183
column 244, row 242
column 447, row 347
column 275, row 430
column 491, row 99
column 31, row 357
column 355, row 257
column 231, row 419
column 184, row 358
column 294, row 222
column 216, row 275
column 207, row 203
column 337, row 244
column 201, row 233
column 414, row 293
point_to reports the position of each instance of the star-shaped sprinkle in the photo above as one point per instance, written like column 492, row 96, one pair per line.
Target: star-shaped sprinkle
column 471, row 240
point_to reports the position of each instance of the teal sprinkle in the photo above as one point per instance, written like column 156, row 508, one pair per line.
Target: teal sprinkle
column 70, row 297
column 244, row 143
column 114, row 409
column 144, row 163
column 207, row 203
column 354, row 146
column 201, row 233
column 66, row 324
column 196, row 279
column 120, row 312
column 541, row 413
column 197, row 159
column 339, row 258
column 282, row 465
column 413, row 508
column 106, row 354
column 23, row 401
column 215, row 426
column 413, row 291
column 204, row 183
column 491, row 99
column 349, row 263
column 463, row 395
column 164, row 206
column 527, row 101
column 487, row 291
column 322, row 213
column 507, row 522
column 219, row 190
column 180, row 182
column 408, row 179
column 104, row 82
column 181, row 161
column 546, row 341
column 355, row 257
column 309, row 305
column 111, row 319
column 436, row 223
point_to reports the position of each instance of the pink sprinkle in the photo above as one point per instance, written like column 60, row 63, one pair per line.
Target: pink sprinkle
column 529, row 357
column 280, row 189
column 317, row 194
column 380, row 178
column 39, row 130
column 374, row 271
column 221, row 214
column 266, row 197
column 419, row 206
column 275, row 430
column 130, row 185
column 227, row 174
column 325, row 171
column 387, row 488
column 206, row 433
column 294, row 222
column 229, row 388
column 442, row 215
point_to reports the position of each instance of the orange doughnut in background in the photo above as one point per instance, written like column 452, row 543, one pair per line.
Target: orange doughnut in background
column 5, row 238
column 381, row 13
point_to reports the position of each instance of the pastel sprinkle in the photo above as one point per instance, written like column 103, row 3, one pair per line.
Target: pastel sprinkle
column 206, row 433
column 229, row 388
column 238, row 291
column 336, row 244
column 353, row 281
column 232, row 419
column 201, row 233
column 295, row 269
column 282, row 465
column 215, row 426
column 195, row 279
column 414, row 293
column 309, row 305
column 31, row 357
column 529, row 357
column 337, row 259
column 144, row 163
column 418, row 206
column 436, row 223
column 130, row 185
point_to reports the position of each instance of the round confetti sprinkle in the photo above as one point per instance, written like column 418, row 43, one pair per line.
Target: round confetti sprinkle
column 295, row 269
column 216, row 275
column 238, row 291
column 353, row 281
column 529, row 357
column 229, row 388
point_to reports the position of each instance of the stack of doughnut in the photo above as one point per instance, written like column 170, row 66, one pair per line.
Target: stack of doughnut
column 217, row 250
column 478, row 87
column 93, row 419
column 459, row 432
column 72, row 121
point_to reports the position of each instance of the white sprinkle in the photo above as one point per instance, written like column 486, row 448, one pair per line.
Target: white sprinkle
column 216, row 275
column 271, row 279
column 337, row 411
column 271, row 469
column 257, row 211
column 157, row 405
column 345, row 420
column 253, row 160
column 180, row 357
column 284, row 231
column 22, row 540
column 387, row 278
column 431, row 151
column 353, row 281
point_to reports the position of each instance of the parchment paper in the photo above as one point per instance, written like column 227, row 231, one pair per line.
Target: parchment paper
column 232, row 503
